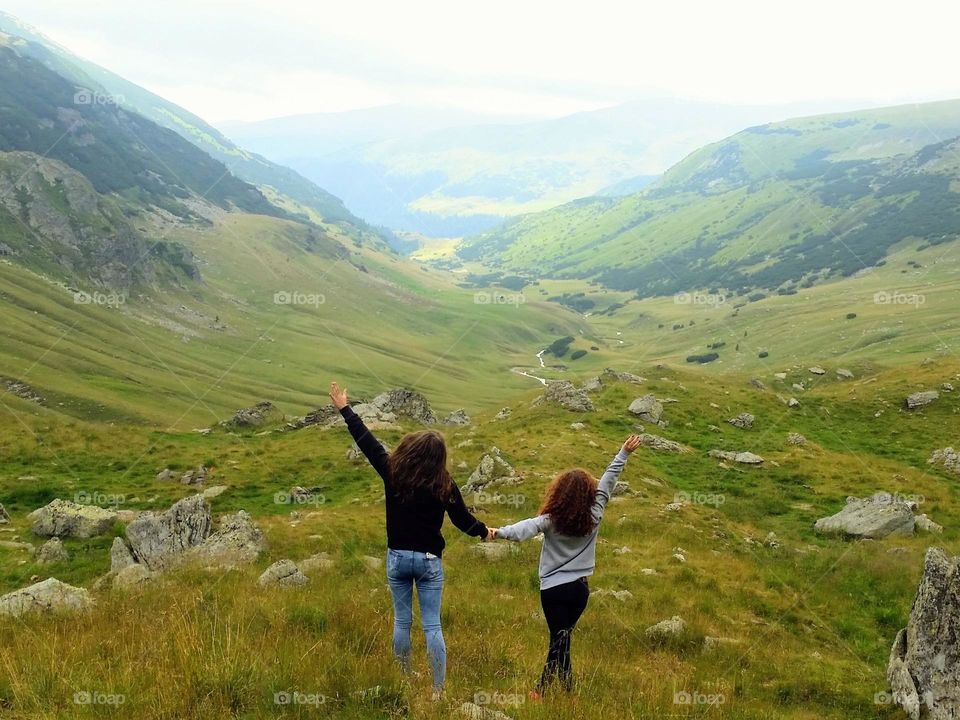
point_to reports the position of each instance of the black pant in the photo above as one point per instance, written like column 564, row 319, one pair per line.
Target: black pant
column 562, row 605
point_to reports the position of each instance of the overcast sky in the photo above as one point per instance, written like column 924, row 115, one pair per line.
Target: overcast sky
column 253, row 59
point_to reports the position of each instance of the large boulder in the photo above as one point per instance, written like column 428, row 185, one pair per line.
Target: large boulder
column 63, row 518
column 158, row 539
column 132, row 577
column 872, row 517
column 921, row 399
column 948, row 458
column 263, row 413
column 491, row 468
column 48, row 595
column 120, row 555
column 924, row 666
column 647, row 408
column 567, row 396
column 323, row 416
column 406, row 403
column 237, row 541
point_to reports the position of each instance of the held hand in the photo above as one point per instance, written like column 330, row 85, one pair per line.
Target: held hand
column 491, row 534
column 338, row 396
column 632, row 443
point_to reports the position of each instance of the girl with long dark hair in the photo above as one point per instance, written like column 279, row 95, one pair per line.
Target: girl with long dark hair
column 419, row 492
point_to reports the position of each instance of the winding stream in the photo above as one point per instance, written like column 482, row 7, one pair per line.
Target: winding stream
column 521, row 371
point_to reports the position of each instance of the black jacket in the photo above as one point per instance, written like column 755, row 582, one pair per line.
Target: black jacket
column 413, row 523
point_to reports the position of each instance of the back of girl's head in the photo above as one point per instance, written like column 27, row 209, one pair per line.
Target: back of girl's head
column 569, row 502
column 420, row 462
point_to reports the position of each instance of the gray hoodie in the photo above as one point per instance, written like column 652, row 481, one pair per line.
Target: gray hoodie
column 564, row 559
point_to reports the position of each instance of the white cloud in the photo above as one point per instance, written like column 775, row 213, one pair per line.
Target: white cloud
column 250, row 59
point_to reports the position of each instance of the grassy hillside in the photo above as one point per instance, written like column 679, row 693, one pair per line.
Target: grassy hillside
column 772, row 208
column 807, row 621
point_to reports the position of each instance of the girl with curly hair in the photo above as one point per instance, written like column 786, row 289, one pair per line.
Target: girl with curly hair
column 569, row 520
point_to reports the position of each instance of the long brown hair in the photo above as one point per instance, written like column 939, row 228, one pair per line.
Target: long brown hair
column 420, row 462
column 569, row 502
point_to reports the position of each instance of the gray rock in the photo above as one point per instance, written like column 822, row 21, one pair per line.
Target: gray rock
column 316, row 563
column 194, row 477
column 844, row 374
column 283, row 573
column 472, row 711
column 924, row 666
column 873, row 517
column 166, row 475
column 4, row 516
column 817, row 370
column 743, row 421
column 46, row 596
column 655, row 442
column 758, row 383
column 621, row 488
column 157, row 540
column 236, row 541
column 457, row 417
column 564, row 394
column 63, row 518
column 667, row 628
column 577, row 426
column 503, row 414
column 623, row 376
column 120, row 556
column 744, row 458
column 922, row 522
column 214, row 491
column 647, row 408
column 793, row 403
column 946, row 387
column 261, row 414
column 948, row 458
column 52, row 551
column 491, row 468
column 594, row 384
column 405, row 403
column 132, row 577
column 921, row 399
column 796, row 438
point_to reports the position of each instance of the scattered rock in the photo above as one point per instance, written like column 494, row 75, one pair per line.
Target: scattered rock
column 623, row 376
column 772, row 541
column 472, row 711
column 921, row 399
column 503, row 414
column 158, row 539
column 743, row 421
column 647, row 408
column 817, row 370
column 577, row 426
column 22, row 391
column 52, row 551
column 564, row 394
column 873, row 517
column 946, row 387
column 263, row 413
column 457, row 417
column 793, row 403
column 166, row 475
column 780, row 376
column 744, row 458
column 655, row 442
column 49, row 595
column 194, row 477
column 283, row 573
column 4, row 516
column 63, row 518
column 758, row 383
column 491, row 468
column 594, row 384
column 214, row 491
column 621, row 595
column 924, row 666
column 948, row 458
column 621, row 488
column 844, row 374
column 796, row 438
column 667, row 628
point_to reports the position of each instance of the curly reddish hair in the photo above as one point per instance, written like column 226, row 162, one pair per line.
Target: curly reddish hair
column 569, row 502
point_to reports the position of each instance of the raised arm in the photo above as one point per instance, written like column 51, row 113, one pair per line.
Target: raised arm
column 362, row 436
column 610, row 476
column 463, row 518
column 525, row 529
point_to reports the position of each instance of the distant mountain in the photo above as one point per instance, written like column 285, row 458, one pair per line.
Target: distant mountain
column 771, row 208
column 424, row 172
column 107, row 87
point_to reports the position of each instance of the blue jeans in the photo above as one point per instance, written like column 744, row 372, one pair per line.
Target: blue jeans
column 406, row 568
